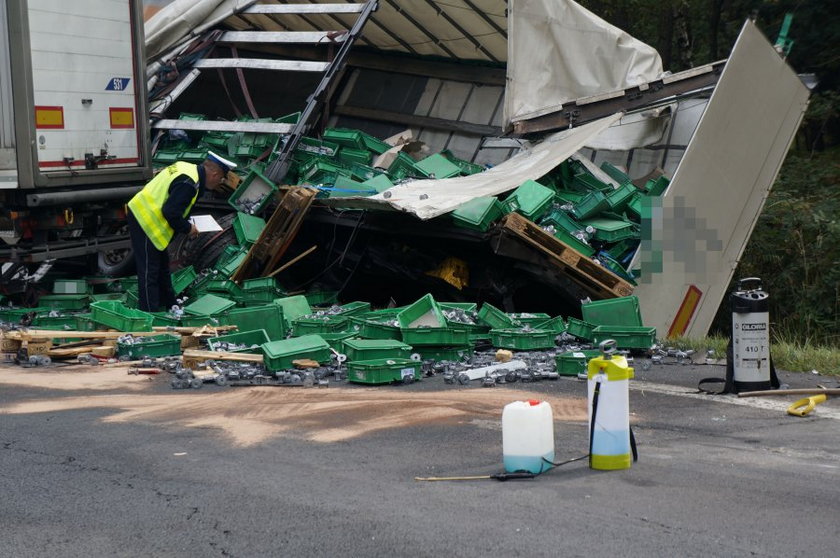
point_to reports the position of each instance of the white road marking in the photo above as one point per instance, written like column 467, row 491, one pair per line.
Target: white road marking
column 771, row 403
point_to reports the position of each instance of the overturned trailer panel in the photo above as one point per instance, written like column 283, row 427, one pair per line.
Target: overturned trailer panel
column 712, row 205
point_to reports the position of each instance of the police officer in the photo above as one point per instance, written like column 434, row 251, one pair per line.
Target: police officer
column 160, row 210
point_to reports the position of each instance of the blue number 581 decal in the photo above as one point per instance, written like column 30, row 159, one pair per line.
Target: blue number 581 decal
column 117, row 84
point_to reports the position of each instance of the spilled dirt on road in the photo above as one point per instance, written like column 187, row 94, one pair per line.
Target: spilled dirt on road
column 251, row 415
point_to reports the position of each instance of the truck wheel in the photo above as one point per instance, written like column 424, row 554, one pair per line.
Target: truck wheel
column 116, row 263
column 203, row 251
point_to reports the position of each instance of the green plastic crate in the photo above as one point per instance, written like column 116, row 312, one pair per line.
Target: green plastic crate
column 278, row 355
column 220, row 286
column 574, row 243
column 247, row 228
column 208, row 305
column 161, row 345
column 107, row 296
column 532, row 199
column 586, row 182
column 380, row 183
column 336, row 340
column 452, row 336
column 131, row 298
column 164, row 319
column 70, row 286
column 377, row 325
column 619, row 197
column 116, row 315
column 319, row 324
column 634, row 206
column 590, row 205
column 84, row 323
column 611, row 230
column 573, row 363
column 268, row 317
column 253, row 340
column 65, row 321
column 424, row 312
column 312, row 147
column 183, row 278
column 622, row 311
column 451, row 354
column 372, row 349
column 64, row 301
column 626, row 337
column 495, row 318
column 567, row 196
column 615, row 173
column 478, row 214
column 403, row 166
column 561, row 221
column 230, row 267
column 521, row 339
column 580, row 329
column 466, row 167
column 349, row 155
column 556, row 324
column 321, row 298
column 345, row 137
column 13, row 315
column 255, row 187
column 293, row 307
column 383, row 371
column 657, row 186
column 530, row 318
column 438, row 166
column 375, row 145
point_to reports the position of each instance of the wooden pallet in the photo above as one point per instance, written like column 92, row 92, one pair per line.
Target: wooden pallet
column 277, row 235
column 594, row 278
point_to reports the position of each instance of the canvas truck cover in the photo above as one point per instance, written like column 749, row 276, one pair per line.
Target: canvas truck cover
column 559, row 51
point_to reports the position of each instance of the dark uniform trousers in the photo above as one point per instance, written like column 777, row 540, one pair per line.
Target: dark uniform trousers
column 153, row 277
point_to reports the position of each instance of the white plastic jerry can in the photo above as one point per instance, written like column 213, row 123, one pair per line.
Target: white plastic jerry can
column 527, row 436
column 609, row 418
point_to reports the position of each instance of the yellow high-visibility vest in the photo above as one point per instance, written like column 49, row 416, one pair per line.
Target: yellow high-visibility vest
column 147, row 204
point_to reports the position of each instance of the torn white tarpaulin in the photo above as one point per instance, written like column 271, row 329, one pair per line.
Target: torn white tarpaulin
column 184, row 19
column 430, row 198
column 559, row 51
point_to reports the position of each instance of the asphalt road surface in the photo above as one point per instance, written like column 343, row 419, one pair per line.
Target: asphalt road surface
column 95, row 464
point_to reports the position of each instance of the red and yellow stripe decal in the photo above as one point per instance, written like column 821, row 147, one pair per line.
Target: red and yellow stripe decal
column 686, row 312
column 121, row 117
column 49, row 118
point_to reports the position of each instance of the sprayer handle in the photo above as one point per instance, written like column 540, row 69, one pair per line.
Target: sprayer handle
column 756, row 280
column 607, row 346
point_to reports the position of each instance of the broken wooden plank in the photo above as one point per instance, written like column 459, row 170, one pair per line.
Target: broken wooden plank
column 183, row 330
column 277, row 236
column 25, row 335
column 197, row 354
column 591, row 276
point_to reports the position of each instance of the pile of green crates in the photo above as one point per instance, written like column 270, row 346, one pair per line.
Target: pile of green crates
column 424, row 327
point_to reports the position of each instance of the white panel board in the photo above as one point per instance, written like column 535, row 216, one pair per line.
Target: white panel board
column 82, row 68
column 720, row 187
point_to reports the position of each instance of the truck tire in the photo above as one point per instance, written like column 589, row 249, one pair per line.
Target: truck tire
column 203, row 251
column 116, row 263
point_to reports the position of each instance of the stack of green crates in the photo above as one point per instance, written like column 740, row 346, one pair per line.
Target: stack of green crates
column 424, row 327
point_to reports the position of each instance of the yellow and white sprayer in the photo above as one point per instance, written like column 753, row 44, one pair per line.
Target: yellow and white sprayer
column 611, row 441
